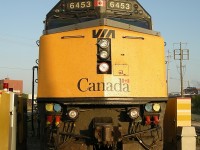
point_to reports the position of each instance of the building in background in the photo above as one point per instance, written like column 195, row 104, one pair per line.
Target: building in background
column 12, row 85
column 29, row 102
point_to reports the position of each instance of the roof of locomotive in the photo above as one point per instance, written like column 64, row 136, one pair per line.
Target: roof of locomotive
column 76, row 12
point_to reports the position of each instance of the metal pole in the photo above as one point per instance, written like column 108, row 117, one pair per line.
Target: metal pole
column 168, row 61
column 181, row 53
column 181, row 71
column 32, row 117
column 33, row 86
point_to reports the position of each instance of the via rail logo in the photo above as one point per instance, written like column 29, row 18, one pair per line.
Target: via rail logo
column 103, row 33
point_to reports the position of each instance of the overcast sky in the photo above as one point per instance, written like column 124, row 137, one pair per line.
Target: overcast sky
column 21, row 26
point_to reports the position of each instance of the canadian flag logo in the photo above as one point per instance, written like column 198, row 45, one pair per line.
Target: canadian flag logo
column 99, row 3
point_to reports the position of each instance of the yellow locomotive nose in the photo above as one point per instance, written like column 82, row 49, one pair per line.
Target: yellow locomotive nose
column 110, row 65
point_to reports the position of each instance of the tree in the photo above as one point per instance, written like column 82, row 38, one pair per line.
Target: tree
column 196, row 104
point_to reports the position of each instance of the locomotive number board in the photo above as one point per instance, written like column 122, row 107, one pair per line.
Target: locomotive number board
column 111, row 4
column 119, row 5
column 79, row 5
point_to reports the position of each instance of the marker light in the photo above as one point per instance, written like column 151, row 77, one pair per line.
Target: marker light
column 156, row 107
column 5, row 86
column 49, row 120
column 148, row 107
column 136, row 6
column 49, row 107
column 57, row 120
column 104, row 54
column 140, row 12
column 133, row 113
column 156, row 119
column 147, row 120
column 103, row 43
column 57, row 108
column 73, row 114
column 103, row 67
column 136, row 11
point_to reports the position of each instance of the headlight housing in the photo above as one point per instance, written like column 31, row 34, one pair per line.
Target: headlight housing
column 73, row 114
column 133, row 113
column 104, row 54
column 103, row 67
column 104, row 64
column 103, row 43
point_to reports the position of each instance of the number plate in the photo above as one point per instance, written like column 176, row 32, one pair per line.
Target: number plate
column 118, row 5
column 78, row 5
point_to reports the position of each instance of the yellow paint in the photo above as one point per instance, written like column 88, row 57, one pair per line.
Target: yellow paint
column 183, row 123
column 5, row 121
column 63, row 62
column 184, row 117
column 183, row 111
column 184, row 106
column 138, row 63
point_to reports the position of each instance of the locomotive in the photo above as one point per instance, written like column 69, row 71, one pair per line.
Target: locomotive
column 101, row 77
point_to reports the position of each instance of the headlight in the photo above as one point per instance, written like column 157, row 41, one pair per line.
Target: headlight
column 104, row 54
column 156, row 107
column 104, row 67
column 133, row 113
column 103, row 43
column 73, row 114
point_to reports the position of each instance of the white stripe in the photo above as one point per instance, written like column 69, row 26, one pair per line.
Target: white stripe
column 184, row 111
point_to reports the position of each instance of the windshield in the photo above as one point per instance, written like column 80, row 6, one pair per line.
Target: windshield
column 72, row 12
column 56, row 21
column 134, row 22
